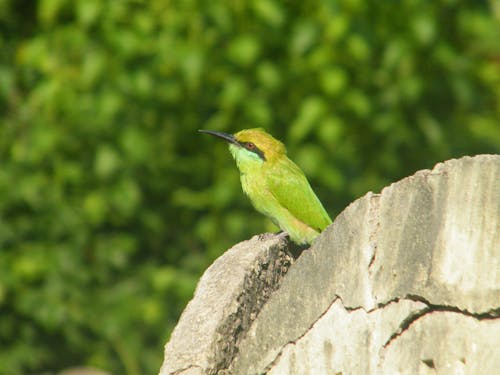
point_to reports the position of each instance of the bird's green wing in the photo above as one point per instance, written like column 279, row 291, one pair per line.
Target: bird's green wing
column 287, row 183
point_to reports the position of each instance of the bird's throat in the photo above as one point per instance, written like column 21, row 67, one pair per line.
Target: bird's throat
column 247, row 161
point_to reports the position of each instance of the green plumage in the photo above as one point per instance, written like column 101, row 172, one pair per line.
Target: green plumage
column 275, row 185
column 292, row 190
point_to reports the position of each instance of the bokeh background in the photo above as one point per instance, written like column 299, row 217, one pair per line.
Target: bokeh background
column 112, row 205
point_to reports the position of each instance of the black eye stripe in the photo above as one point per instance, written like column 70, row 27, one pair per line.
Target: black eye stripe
column 253, row 148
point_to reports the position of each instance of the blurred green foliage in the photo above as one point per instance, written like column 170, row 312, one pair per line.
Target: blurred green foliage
column 111, row 205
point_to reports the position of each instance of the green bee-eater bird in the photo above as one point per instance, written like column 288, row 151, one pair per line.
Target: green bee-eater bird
column 275, row 184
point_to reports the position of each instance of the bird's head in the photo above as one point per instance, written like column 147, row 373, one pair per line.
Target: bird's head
column 251, row 147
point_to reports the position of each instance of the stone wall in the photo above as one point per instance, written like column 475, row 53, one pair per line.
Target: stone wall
column 406, row 281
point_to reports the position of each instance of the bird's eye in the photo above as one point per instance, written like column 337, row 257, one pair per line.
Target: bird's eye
column 250, row 146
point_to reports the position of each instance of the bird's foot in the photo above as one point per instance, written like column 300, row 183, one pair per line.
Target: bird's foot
column 282, row 234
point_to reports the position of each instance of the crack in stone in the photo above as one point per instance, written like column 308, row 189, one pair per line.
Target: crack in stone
column 492, row 313
column 405, row 324
column 374, row 224
column 431, row 308
column 347, row 308
column 383, row 305
column 293, row 342
column 181, row 370
column 373, row 257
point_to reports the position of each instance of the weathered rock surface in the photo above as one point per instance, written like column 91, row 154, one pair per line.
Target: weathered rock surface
column 226, row 301
column 406, row 281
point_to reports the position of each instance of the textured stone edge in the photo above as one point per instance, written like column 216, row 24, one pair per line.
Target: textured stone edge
column 258, row 285
column 262, row 262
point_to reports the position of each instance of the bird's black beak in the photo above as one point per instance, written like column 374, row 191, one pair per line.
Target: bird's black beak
column 226, row 136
